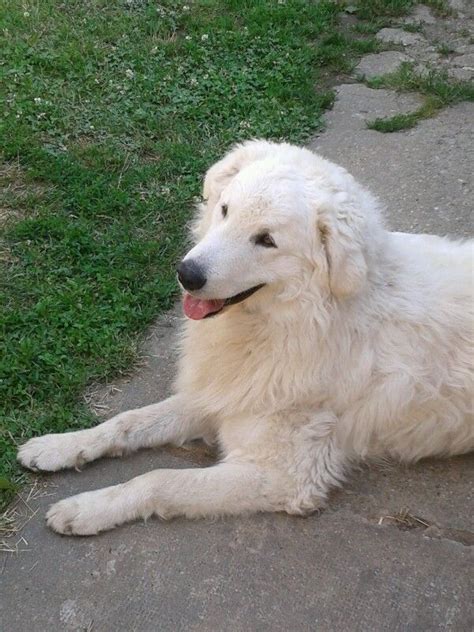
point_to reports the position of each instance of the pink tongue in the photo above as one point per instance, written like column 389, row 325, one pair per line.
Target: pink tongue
column 197, row 308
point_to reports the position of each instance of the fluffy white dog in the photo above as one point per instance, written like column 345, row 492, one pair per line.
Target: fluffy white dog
column 315, row 337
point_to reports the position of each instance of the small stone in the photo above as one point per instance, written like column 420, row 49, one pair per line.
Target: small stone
column 457, row 5
column 427, row 55
column 464, row 49
column 421, row 15
column 379, row 64
column 398, row 36
column 464, row 61
column 423, row 70
column 461, row 74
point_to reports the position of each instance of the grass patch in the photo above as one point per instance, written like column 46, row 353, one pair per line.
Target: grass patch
column 436, row 84
column 337, row 52
column 379, row 13
column 412, row 28
column 438, row 89
column 400, row 122
column 440, row 8
column 374, row 15
column 112, row 112
column 395, row 123
column 445, row 49
column 374, row 9
column 366, row 28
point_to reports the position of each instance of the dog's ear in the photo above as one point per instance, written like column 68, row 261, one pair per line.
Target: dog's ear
column 221, row 174
column 341, row 240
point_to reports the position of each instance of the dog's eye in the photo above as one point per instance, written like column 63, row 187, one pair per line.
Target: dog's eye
column 265, row 239
column 224, row 209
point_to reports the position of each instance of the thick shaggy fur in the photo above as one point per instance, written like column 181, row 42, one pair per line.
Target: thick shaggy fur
column 359, row 345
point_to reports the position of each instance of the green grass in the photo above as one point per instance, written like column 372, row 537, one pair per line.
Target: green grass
column 440, row 8
column 395, row 123
column 438, row 89
column 445, row 49
column 413, row 28
column 112, row 111
column 374, row 9
column 400, row 122
column 366, row 28
column 376, row 14
column 337, row 52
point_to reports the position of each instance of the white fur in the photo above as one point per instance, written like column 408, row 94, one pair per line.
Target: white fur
column 358, row 346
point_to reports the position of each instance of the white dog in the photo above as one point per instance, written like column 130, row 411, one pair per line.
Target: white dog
column 331, row 340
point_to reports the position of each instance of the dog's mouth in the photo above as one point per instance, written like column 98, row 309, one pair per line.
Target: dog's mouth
column 198, row 308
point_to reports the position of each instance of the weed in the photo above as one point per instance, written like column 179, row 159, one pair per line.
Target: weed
column 434, row 83
column 401, row 122
column 440, row 7
column 445, row 49
column 437, row 87
column 337, row 52
column 366, row 28
column 373, row 9
column 413, row 28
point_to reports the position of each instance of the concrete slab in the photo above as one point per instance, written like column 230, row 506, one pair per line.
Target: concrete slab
column 393, row 552
column 379, row 64
column 399, row 36
column 423, row 176
column 421, row 15
column 337, row 571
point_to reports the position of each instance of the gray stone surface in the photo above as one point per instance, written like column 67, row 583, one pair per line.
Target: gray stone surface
column 393, row 551
column 337, row 571
column 465, row 61
column 453, row 32
column 461, row 74
column 399, row 36
column 378, row 64
column 356, row 104
column 462, row 7
column 421, row 15
column 464, row 49
column 463, row 67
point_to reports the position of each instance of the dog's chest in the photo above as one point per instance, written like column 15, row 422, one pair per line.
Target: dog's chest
column 243, row 365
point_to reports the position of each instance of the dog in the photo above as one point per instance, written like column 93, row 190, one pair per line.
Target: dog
column 315, row 338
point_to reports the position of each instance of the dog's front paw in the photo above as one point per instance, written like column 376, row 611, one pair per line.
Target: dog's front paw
column 84, row 514
column 52, row 452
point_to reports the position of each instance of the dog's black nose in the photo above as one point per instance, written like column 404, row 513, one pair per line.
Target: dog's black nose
column 191, row 276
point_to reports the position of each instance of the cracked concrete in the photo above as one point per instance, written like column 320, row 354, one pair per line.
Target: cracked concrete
column 393, row 551
column 422, row 175
column 443, row 44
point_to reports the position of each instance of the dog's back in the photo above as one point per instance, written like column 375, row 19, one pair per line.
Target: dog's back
column 424, row 350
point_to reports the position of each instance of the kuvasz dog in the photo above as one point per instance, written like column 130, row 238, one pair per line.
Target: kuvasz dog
column 314, row 338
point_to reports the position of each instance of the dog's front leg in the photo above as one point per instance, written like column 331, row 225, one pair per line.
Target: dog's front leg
column 170, row 421
column 226, row 488
column 316, row 462
column 278, row 468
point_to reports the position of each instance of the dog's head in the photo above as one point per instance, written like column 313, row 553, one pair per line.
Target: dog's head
column 276, row 219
